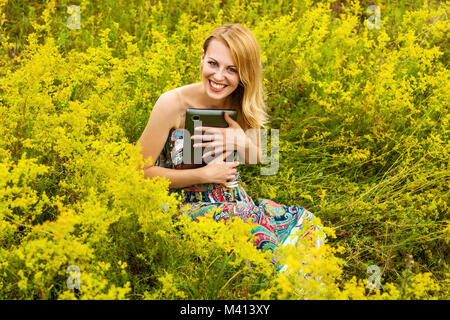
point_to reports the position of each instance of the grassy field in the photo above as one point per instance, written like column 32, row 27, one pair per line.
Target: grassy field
column 360, row 99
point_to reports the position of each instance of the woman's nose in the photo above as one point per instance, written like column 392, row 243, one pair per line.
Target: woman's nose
column 219, row 75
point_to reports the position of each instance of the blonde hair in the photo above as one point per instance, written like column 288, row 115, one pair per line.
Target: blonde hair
column 249, row 95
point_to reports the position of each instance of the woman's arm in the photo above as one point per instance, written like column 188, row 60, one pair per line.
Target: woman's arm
column 163, row 117
column 178, row 178
column 217, row 171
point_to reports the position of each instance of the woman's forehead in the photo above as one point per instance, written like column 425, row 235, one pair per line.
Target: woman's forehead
column 220, row 52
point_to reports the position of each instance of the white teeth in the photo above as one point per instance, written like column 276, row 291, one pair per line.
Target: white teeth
column 217, row 86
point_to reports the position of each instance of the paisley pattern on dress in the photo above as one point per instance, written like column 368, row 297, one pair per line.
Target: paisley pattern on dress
column 276, row 222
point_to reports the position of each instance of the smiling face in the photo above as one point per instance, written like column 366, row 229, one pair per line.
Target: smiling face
column 219, row 73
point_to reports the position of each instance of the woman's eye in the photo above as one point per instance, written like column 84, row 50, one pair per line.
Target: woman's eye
column 213, row 63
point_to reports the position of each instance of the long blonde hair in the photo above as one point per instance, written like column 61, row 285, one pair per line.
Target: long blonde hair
column 249, row 95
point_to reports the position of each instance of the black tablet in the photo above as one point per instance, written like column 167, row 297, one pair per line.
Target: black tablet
column 192, row 157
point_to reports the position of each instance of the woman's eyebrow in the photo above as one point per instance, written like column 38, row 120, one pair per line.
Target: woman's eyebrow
column 231, row 65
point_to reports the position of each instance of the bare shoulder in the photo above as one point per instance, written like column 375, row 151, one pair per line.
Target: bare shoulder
column 163, row 117
column 180, row 99
column 168, row 101
column 170, row 106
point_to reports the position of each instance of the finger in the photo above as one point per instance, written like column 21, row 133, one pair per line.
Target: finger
column 228, row 118
column 208, row 129
column 235, row 164
column 198, row 145
column 197, row 137
column 217, row 145
column 205, row 137
column 231, row 178
column 232, row 123
column 220, row 158
column 207, row 154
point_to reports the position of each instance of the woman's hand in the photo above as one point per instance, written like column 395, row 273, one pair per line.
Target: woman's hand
column 219, row 171
column 221, row 140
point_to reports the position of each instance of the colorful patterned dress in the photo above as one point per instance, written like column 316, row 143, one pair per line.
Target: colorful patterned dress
column 277, row 224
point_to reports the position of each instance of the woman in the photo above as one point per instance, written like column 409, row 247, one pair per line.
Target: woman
column 231, row 79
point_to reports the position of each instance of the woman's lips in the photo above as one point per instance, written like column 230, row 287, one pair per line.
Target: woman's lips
column 215, row 89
